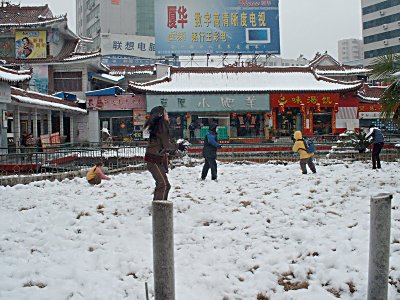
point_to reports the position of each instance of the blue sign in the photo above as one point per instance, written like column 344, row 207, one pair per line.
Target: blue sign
column 217, row 27
column 210, row 102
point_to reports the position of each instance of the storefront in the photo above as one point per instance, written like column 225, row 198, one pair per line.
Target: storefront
column 237, row 115
column 312, row 113
column 121, row 114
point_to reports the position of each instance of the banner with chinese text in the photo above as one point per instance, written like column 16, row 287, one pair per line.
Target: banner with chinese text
column 217, row 27
column 210, row 102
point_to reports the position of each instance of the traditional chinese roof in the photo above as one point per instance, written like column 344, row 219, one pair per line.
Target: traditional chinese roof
column 12, row 76
column 27, row 16
column 370, row 93
column 324, row 64
column 243, row 79
column 45, row 101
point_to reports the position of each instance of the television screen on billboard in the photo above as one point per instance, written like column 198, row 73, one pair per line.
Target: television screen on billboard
column 216, row 27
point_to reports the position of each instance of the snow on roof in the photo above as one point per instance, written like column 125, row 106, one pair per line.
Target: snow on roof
column 77, row 56
column 183, row 80
column 12, row 76
column 35, row 98
column 48, row 104
column 109, row 77
column 31, row 24
column 343, row 72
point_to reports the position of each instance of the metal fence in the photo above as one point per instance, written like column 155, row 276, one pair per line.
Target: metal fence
column 76, row 159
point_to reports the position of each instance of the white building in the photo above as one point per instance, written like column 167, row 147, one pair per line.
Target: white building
column 381, row 28
column 128, row 17
column 350, row 51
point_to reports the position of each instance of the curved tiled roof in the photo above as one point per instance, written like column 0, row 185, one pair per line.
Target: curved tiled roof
column 23, row 96
column 243, row 79
column 371, row 93
column 12, row 76
column 16, row 15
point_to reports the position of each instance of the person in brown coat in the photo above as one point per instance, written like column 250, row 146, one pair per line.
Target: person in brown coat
column 158, row 148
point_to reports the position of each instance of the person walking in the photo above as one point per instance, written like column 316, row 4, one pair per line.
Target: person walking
column 158, row 148
column 306, row 159
column 96, row 174
column 210, row 148
column 377, row 144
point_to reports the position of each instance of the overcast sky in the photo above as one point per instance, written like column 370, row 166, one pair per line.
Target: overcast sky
column 306, row 26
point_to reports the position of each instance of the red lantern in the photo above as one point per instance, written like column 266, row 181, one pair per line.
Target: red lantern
column 302, row 108
column 147, row 117
column 234, row 116
column 336, row 107
column 187, row 116
column 282, row 108
column 269, row 115
column 318, row 107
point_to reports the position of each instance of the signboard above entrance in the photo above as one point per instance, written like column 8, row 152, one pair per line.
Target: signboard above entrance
column 217, row 27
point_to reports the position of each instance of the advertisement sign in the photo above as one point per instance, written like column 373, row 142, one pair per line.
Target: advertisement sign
column 127, row 45
column 119, row 102
column 210, row 103
column 30, row 44
column 308, row 99
column 40, row 79
column 217, row 27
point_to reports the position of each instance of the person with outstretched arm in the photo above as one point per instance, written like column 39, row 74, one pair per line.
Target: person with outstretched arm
column 158, row 148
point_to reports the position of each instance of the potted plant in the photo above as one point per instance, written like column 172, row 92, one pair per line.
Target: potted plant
column 359, row 141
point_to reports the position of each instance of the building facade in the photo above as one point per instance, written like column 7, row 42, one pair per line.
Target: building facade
column 381, row 28
column 350, row 51
column 129, row 17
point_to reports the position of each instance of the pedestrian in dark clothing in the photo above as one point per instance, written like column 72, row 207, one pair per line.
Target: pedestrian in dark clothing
column 210, row 153
column 158, row 148
column 377, row 144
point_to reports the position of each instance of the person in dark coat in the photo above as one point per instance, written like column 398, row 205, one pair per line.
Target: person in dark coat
column 378, row 141
column 210, row 148
column 158, row 148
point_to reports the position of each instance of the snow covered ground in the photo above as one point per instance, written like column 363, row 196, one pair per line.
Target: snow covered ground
column 261, row 229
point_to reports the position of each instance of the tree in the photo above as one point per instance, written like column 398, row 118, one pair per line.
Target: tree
column 387, row 68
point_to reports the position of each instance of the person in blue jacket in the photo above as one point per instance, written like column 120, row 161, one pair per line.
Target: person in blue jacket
column 210, row 148
column 378, row 141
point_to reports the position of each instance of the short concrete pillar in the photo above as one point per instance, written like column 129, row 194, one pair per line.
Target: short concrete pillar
column 163, row 250
column 379, row 247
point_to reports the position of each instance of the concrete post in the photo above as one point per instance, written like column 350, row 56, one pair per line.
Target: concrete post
column 379, row 247
column 163, row 250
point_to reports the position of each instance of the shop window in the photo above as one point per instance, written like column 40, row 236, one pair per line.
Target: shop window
column 323, row 121
column 68, row 81
column 177, row 125
column 121, row 127
column 246, row 125
column 288, row 121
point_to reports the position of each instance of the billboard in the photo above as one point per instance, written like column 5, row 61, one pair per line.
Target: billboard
column 216, row 27
column 30, row 44
column 127, row 45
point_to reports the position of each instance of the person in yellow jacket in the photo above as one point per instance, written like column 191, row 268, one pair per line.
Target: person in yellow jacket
column 305, row 157
column 96, row 174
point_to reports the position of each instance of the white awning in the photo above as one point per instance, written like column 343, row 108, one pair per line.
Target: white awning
column 347, row 113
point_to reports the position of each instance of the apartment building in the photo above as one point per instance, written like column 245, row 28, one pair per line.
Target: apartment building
column 381, row 28
column 350, row 51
